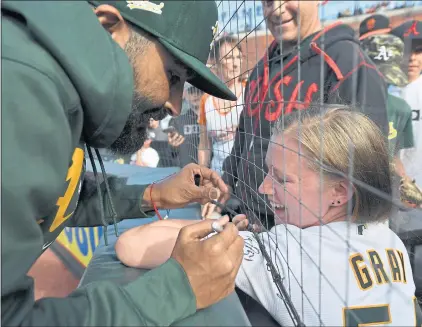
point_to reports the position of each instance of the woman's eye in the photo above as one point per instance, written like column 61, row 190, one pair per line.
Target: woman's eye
column 174, row 79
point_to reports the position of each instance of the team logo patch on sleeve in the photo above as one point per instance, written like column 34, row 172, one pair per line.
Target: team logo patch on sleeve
column 147, row 6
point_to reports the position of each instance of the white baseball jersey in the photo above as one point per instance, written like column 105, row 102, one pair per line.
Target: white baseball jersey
column 332, row 282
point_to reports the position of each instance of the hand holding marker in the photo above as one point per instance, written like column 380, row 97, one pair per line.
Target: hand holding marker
column 274, row 272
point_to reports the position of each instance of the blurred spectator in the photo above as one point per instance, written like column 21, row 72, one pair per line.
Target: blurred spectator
column 147, row 156
column 187, row 126
column 159, row 134
column 387, row 52
column 374, row 25
column 108, row 156
column 411, row 33
column 282, row 82
column 415, row 61
column 408, row 31
column 219, row 118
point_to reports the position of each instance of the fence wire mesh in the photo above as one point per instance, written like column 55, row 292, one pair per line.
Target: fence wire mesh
column 290, row 63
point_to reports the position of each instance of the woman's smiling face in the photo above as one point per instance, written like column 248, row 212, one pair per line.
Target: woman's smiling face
column 296, row 192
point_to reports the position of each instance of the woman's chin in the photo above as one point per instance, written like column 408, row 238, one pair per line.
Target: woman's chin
column 280, row 216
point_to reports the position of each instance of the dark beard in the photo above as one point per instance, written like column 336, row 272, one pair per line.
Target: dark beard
column 134, row 133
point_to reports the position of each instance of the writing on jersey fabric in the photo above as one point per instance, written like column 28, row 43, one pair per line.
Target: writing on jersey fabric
column 339, row 274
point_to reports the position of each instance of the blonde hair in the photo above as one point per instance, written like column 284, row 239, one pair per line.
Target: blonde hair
column 343, row 143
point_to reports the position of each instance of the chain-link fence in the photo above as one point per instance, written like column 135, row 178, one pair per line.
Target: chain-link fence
column 322, row 152
column 327, row 104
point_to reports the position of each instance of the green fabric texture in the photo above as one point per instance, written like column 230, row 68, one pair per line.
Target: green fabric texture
column 185, row 28
column 400, row 122
column 66, row 87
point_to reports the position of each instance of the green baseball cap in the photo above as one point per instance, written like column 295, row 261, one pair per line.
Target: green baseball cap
column 387, row 51
column 185, row 28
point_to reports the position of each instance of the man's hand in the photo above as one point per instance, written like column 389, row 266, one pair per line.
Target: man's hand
column 179, row 190
column 209, row 208
column 175, row 139
column 211, row 264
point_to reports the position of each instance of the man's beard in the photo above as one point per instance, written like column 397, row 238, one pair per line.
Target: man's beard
column 134, row 133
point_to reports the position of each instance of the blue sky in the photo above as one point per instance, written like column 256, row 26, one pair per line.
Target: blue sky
column 329, row 11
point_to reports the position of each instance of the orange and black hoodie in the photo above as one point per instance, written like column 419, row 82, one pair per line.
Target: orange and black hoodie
column 330, row 65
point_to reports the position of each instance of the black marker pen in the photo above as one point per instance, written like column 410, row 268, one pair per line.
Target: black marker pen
column 197, row 179
column 231, row 213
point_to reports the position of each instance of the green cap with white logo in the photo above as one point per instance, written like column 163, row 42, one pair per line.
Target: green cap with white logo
column 185, row 28
column 387, row 51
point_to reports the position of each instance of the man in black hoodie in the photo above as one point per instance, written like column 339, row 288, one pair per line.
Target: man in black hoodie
column 305, row 63
column 78, row 77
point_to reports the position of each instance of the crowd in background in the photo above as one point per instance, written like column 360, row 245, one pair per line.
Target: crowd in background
column 205, row 131
column 319, row 105
column 375, row 8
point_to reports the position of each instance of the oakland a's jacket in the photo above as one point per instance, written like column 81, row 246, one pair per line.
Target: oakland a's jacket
column 66, row 83
column 328, row 66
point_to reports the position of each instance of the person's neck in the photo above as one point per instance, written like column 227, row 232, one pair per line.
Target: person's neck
column 413, row 77
column 234, row 83
column 336, row 214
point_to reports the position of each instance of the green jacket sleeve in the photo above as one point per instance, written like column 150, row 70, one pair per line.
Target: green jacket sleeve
column 37, row 142
column 126, row 199
column 159, row 298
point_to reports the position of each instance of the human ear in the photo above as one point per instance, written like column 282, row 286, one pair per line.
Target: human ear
column 113, row 22
column 342, row 192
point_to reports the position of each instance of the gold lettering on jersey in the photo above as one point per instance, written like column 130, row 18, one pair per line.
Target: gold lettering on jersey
column 368, row 315
column 378, row 267
column 73, row 176
column 361, row 272
column 402, row 266
column 418, row 312
column 393, row 260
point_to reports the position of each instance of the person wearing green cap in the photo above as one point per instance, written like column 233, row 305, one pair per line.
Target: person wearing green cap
column 387, row 51
column 83, row 76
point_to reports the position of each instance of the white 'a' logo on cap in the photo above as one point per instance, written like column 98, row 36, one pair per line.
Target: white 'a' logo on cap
column 146, row 5
column 384, row 53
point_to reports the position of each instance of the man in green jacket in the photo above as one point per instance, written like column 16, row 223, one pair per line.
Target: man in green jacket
column 79, row 76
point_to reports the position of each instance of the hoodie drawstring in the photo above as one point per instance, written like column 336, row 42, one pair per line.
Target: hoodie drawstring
column 108, row 192
column 100, row 196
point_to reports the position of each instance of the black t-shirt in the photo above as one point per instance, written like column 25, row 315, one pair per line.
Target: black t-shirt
column 187, row 125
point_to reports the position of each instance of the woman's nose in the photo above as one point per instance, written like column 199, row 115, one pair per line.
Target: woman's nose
column 267, row 186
